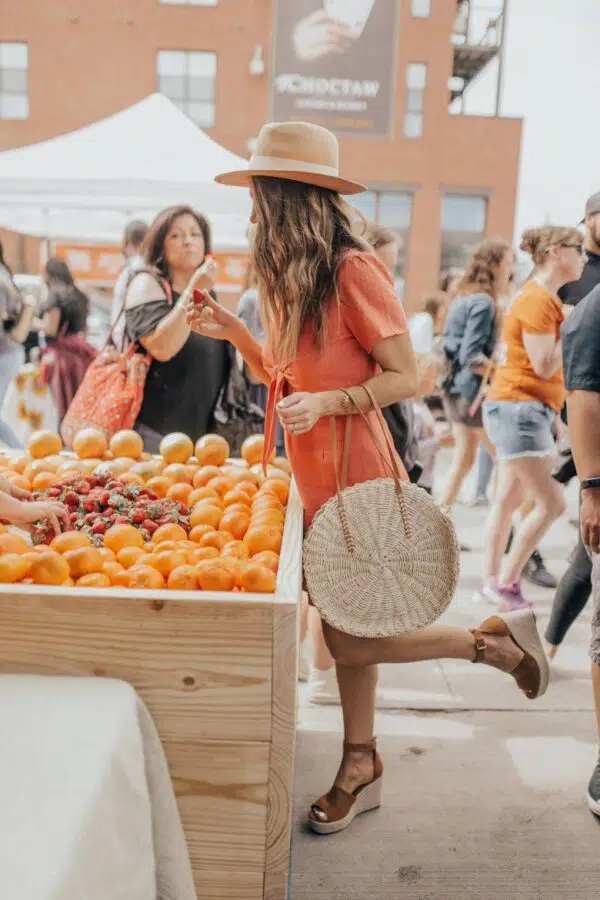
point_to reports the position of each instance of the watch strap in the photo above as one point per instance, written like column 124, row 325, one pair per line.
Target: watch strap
column 588, row 483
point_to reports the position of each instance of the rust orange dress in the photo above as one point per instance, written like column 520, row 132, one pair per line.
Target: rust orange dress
column 368, row 311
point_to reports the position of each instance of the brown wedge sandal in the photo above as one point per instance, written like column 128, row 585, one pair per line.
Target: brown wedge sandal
column 336, row 809
column 533, row 672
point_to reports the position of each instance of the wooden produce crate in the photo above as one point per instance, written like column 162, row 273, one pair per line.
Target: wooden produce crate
column 218, row 674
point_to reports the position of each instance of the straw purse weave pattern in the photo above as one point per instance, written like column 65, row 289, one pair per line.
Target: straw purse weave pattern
column 380, row 557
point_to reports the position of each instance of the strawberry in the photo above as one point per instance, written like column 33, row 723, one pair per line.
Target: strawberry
column 89, row 506
column 74, row 517
column 71, row 499
column 138, row 516
column 90, row 518
column 104, row 498
column 54, row 492
column 99, row 527
column 121, row 520
column 150, row 526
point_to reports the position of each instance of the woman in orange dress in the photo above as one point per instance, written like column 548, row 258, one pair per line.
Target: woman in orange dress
column 333, row 321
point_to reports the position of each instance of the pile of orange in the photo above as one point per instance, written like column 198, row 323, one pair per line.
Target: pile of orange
column 236, row 515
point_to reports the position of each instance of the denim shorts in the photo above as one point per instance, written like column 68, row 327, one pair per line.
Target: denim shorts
column 519, row 429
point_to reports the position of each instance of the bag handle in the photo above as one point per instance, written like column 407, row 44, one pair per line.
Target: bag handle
column 386, row 451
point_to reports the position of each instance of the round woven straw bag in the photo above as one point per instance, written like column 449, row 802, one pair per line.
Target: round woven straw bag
column 380, row 558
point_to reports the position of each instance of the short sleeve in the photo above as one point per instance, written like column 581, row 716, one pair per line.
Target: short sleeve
column 581, row 345
column 539, row 314
column 370, row 306
column 143, row 320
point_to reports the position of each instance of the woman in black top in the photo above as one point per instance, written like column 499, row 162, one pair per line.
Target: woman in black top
column 187, row 369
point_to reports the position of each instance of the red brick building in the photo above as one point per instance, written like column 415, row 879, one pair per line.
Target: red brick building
column 442, row 179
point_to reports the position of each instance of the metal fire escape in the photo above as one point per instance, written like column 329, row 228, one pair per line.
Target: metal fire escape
column 478, row 38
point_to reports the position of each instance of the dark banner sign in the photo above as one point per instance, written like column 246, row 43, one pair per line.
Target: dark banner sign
column 335, row 64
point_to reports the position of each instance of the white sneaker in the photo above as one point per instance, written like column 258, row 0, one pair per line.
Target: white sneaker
column 303, row 663
column 323, row 687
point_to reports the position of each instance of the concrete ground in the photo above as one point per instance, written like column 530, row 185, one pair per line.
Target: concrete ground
column 484, row 790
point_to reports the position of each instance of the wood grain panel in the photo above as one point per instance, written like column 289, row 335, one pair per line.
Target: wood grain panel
column 221, row 790
column 276, row 886
column 202, row 666
column 283, row 737
column 214, row 885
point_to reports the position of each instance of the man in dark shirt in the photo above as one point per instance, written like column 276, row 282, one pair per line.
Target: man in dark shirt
column 575, row 291
column 581, row 356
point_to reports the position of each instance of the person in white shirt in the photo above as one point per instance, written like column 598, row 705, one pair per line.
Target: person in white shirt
column 133, row 238
column 422, row 325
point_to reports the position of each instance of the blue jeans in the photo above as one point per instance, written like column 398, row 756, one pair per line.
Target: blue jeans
column 10, row 363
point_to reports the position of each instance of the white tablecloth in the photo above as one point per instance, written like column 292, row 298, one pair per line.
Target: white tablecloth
column 87, row 810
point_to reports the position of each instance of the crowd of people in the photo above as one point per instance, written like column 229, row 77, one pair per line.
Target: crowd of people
column 482, row 368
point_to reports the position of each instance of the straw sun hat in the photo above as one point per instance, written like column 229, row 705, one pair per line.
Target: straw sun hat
column 297, row 151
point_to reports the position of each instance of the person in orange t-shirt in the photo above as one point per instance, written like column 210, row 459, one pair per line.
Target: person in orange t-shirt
column 525, row 397
column 333, row 324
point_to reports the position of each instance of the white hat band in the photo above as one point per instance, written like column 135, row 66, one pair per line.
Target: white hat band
column 276, row 164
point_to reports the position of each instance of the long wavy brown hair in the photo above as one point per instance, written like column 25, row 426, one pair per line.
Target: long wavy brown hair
column 481, row 274
column 302, row 233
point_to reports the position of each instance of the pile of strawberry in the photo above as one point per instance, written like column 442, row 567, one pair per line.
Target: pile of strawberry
column 96, row 502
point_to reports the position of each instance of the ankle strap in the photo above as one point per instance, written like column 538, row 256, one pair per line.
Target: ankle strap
column 361, row 748
column 480, row 645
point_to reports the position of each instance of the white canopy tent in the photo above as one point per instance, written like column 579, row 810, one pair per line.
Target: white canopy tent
column 86, row 184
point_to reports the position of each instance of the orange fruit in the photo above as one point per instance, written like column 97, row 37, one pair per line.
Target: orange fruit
column 68, row 582
column 107, row 554
column 112, row 569
column 128, row 556
column 180, row 473
column 235, row 549
column 14, row 566
column 253, row 449
column 126, row 443
column 180, row 492
column 218, row 539
column 44, row 443
column 211, row 450
column 94, row 579
column 20, row 463
column 267, row 517
column 84, row 561
column 202, row 493
column 90, row 442
column 278, row 488
column 20, row 481
column 204, row 513
column 3, row 528
column 132, row 478
column 49, row 568
column 160, row 485
column 263, row 537
column 236, row 523
column 44, row 480
column 147, row 469
column 238, row 494
column 115, row 467
column 202, row 553
column 48, row 464
column 280, row 462
column 257, row 579
column 198, row 532
column 170, row 532
column 238, row 507
column 222, row 484
column 145, row 578
column 268, row 559
column 204, row 475
column 183, row 578
column 121, row 579
column 13, row 543
column 120, row 536
column 70, row 540
column 167, row 560
column 267, row 500
column 176, row 448
column 71, row 466
column 236, row 566
column 214, row 576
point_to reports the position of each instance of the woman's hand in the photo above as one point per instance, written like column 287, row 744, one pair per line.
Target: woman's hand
column 319, row 35
column 13, row 491
column 205, row 316
column 300, row 412
column 590, row 519
column 44, row 511
column 206, row 275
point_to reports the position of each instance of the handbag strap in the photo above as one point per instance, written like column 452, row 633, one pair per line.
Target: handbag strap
column 385, row 450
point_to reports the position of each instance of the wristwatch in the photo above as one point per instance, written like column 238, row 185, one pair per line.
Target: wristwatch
column 590, row 483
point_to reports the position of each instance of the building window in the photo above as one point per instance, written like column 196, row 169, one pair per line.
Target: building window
column 14, row 94
column 188, row 78
column 421, row 9
column 392, row 209
column 191, row 2
column 416, row 80
column 463, row 226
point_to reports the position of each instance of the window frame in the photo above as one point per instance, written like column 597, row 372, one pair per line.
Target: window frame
column 420, row 15
column 404, row 233
column 186, row 100
column 414, row 100
column 19, row 96
column 457, row 243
